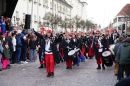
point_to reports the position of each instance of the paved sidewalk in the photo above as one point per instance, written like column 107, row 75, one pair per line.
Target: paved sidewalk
column 83, row 75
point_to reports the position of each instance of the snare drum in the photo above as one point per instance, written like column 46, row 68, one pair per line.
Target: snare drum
column 107, row 58
column 71, row 52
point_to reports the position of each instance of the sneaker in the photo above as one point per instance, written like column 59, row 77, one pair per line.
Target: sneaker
column 25, row 62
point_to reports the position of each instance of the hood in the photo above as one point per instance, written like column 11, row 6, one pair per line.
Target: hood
column 126, row 44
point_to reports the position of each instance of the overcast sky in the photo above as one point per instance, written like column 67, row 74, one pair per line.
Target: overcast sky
column 103, row 11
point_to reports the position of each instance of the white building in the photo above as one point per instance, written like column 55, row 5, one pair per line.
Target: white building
column 38, row 8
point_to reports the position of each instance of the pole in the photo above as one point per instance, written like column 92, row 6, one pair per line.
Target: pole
column 31, row 15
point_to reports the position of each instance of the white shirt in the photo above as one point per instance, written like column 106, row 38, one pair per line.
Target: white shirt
column 14, row 43
column 47, row 47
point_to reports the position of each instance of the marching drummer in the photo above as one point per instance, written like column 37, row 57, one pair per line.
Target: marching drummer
column 98, row 51
column 66, row 44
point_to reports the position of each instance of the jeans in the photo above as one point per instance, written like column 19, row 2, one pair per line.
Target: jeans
column 122, row 69
column 18, row 54
column 33, row 54
column 23, row 54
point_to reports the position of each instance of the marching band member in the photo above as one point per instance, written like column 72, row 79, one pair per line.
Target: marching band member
column 66, row 46
column 51, row 53
column 41, row 51
column 90, row 46
column 97, row 50
column 75, row 44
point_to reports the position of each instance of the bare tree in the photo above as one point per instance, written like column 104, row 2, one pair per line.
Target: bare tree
column 52, row 20
column 65, row 24
column 83, row 24
column 89, row 24
column 76, row 22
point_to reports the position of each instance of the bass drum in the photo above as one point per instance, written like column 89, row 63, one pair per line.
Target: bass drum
column 73, row 55
column 107, row 58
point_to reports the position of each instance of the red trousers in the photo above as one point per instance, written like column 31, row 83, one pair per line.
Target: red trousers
column 100, row 58
column 69, row 63
column 62, row 52
column 90, row 51
column 83, row 50
column 49, row 60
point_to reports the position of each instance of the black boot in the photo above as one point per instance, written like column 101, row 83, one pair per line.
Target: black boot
column 99, row 67
column 41, row 66
column 49, row 74
column 103, row 67
column 70, row 67
column 52, row 74
column 67, row 67
column 0, row 69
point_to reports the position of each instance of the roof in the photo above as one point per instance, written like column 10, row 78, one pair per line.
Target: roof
column 65, row 3
column 123, row 10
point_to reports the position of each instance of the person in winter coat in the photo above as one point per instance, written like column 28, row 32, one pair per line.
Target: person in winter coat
column 124, row 82
column 18, row 48
column 9, row 40
column 123, row 57
column 118, row 44
column 1, row 51
column 6, row 55
column 32, row 45
column 24, row 41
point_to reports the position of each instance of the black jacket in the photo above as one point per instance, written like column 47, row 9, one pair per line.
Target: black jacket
column 9, row 40
column 53, row 47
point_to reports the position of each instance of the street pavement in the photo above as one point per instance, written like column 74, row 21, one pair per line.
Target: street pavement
column 84, row 75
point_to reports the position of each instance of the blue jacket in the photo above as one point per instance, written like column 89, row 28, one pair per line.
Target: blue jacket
column 116, row 48
column 2, row 25
column 18, row 41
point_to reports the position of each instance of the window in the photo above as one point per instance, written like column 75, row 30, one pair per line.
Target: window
column 17, row 14
column 50, row 5
column 47, row 3
column 55, row 7
column 39, row 2
column 35, row 19
column 39, row 19
column 35, row 1
column 23, row 16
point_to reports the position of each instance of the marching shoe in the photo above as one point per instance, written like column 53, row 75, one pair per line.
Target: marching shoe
column 103, row 67
column 99, row 67
column 0, row 69
column 70, row 67
column 67, row 67
column 52, row 74
column 49, row 74
column 41, row 66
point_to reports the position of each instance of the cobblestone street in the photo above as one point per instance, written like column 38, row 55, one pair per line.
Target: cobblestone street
column 83, row 75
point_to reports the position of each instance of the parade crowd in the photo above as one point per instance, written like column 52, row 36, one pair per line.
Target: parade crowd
column 73, row 48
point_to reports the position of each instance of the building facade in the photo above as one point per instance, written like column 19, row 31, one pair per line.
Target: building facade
column 39, row 8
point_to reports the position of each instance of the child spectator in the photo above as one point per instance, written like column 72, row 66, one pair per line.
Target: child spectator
column 6, row 55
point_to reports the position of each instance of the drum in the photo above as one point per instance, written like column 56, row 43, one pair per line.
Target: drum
column 107, row 58
column 71, row 52
column 73, row 55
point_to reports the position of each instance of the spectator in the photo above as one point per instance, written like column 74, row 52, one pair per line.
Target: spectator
column 9, row 40
column 1, row 51
column 6, row 55
column 18, row 48
column 123, row 57
column 118, row 44
column 32, row 45
column 24, row 41
column 14, row 46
